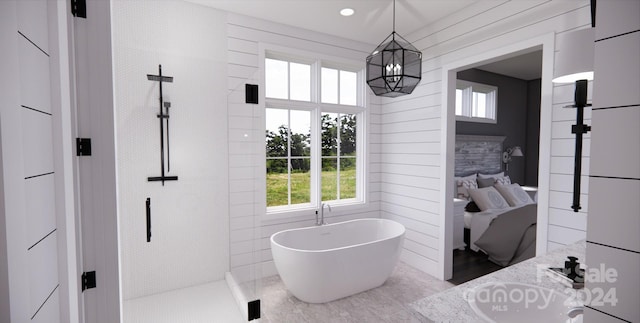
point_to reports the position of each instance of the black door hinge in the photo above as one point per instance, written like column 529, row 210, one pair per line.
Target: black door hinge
column 88, row 280
column 83, row 146
column 254, row 310
column 79, row 8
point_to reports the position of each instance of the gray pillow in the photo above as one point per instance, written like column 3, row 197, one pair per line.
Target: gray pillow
column 485, row 182
column 488, row 198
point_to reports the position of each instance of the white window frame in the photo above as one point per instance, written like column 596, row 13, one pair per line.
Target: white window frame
column 468, row 88
column 317, row 108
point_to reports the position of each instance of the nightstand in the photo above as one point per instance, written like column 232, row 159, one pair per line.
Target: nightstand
column 458, row 223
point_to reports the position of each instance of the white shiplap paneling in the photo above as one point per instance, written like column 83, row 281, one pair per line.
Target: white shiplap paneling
column 403, row 132
column 615, row 219
column 479, row 28
column 249, row 233
column 617, row 140
column 612, row 240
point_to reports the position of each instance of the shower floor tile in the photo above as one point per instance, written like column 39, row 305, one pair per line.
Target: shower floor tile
column 208, row 303
column 387, row 303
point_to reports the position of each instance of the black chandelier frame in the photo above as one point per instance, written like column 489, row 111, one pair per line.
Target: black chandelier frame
column 394, row 68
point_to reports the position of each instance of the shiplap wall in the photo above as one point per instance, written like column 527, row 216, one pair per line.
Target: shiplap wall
column 249, row 232
column 565, row 225
column 411, row 144
column 614, row 219
column 28, row 161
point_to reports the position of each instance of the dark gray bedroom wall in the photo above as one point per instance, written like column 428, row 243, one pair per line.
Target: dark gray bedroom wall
column 531, row 153
column 512, row 118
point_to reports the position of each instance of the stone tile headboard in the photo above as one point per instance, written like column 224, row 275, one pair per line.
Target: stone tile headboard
column 478, row 154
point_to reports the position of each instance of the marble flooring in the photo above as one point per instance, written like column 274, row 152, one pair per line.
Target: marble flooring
column 387, row 303
column 208, row 303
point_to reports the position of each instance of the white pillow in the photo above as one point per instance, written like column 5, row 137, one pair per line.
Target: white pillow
column 514, row 194
column 463, row 191
column 501, row 174
column 488, row 198
column 463, row 186
column 502, row 180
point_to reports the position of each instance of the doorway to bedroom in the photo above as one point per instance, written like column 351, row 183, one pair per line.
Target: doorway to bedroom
column 494, row 133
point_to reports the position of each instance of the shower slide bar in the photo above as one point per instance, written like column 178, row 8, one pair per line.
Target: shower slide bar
column 163, row 116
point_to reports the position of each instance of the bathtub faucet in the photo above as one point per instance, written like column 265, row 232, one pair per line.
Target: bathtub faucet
column 575, row 311
column 321, row 220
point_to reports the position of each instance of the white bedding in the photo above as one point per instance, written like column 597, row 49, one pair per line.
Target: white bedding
column 478, row 223
column 467, row 219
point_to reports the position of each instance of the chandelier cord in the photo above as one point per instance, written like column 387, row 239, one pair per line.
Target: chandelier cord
column 394, row 16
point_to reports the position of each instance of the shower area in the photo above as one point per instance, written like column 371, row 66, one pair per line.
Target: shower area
column 189, row 167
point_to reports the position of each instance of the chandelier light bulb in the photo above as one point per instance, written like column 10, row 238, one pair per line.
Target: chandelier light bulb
column 393, row 72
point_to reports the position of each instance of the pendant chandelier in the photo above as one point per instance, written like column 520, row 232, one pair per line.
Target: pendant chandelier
column 394, row 68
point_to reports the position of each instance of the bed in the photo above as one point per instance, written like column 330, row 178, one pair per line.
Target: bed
column 483, row 219
column 507, row 236
column 505, row 226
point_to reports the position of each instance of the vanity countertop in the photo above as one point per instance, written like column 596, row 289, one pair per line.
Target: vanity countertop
column 451, row 304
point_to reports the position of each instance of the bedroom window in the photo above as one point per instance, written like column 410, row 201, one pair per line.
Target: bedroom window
column 476, row 102
column 314, row 111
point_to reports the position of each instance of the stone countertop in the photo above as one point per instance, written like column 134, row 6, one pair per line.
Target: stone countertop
column 451, row 305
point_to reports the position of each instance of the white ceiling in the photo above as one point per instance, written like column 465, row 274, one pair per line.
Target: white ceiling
column 371, row 23
column 525, row 67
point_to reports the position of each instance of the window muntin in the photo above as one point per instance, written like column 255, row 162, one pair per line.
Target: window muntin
column 300, row 175
column 476, row 102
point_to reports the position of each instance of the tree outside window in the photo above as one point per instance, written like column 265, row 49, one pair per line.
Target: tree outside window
column 297, row 173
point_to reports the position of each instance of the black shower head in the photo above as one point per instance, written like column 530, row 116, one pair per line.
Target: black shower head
column 168, row 79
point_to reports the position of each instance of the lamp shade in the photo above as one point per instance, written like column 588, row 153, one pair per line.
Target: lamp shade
column 574, row 60
column 517, row 152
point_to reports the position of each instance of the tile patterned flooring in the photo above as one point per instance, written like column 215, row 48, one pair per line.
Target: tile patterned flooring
column 387, row 303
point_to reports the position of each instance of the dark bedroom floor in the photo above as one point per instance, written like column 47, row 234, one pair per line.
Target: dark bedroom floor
column 468, row 265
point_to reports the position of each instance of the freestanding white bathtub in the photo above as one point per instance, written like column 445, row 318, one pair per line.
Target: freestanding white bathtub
column 323, row 263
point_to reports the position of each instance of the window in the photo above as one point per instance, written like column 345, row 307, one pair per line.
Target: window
column 339, row 87
column 312, row 133
column 288, row 157
column 339, row 141
column 287, row 80
column 476, row 102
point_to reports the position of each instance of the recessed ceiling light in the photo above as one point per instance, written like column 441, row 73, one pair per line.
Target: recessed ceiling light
column 347, row 12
